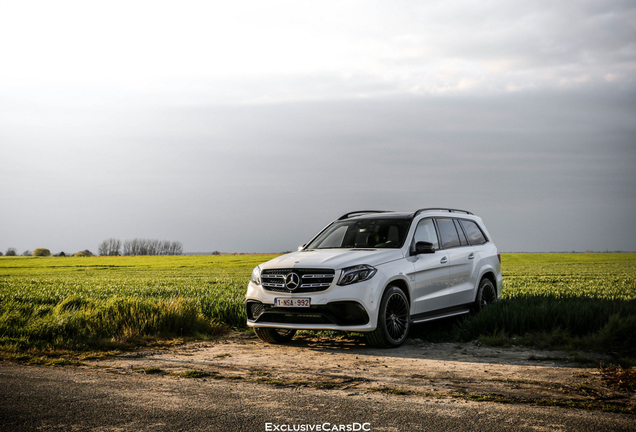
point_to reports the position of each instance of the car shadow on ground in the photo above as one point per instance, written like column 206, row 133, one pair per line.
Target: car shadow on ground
column 435, row 341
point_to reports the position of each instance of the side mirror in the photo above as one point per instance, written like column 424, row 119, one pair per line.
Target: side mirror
column 423, row 247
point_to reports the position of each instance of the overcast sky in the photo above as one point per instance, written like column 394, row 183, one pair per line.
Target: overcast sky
column 247, row 126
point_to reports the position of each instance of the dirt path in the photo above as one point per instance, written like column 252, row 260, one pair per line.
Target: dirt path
column 442, row 371
column 43, row 398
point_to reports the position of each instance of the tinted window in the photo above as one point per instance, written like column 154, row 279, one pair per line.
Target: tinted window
column 462, row 236
column 448, row 233
column 475, row 236
column 334, row 238
column 363, row 233
column 426, row 232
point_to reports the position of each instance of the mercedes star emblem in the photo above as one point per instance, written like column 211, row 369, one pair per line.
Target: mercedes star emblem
column 292, row 281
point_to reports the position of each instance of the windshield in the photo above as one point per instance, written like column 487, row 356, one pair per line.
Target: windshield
column 363, row 233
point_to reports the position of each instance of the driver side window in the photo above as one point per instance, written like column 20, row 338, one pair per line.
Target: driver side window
column 425, row 231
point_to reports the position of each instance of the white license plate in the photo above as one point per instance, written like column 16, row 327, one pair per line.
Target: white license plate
column 292, row 302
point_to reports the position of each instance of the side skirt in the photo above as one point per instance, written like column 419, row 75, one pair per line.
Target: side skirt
column 441, row 313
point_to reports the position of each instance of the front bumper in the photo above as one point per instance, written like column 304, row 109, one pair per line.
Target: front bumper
column 350, row 308
column 339, row 313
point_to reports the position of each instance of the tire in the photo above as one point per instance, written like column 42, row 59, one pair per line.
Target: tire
column 486, row 295
column 274, row 335
column 394, row 320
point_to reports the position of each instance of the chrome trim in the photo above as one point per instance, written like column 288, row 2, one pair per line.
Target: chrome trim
column 315, row 285
column 436, row 317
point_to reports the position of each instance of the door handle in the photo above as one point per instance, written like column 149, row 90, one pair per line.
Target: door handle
column 471, row 256
column 444, row 260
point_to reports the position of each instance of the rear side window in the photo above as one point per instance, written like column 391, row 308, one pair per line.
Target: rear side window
column 475, row 236
column 448, row 233
column 460, row 231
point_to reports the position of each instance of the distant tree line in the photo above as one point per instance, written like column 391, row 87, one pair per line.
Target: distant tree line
column 113, row 247
column 11, row 252
column 110, row 247
column 43, row 252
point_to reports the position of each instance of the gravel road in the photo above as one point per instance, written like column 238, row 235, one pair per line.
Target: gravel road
column 240, row 394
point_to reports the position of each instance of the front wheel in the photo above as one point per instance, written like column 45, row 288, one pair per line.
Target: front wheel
column 393, row 320
column 274, row 335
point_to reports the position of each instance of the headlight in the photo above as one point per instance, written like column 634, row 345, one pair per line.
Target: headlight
column 351, row 275
column 256, row 275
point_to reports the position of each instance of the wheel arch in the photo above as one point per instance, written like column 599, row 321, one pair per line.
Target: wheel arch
column 400, row 283
column 490, row 275
column 393, row 320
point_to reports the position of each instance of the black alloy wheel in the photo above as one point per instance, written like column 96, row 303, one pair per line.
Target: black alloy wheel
column 393, row 320
column 486, row 295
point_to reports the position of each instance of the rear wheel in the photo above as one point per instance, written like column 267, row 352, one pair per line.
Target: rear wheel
column 486, row 295
column 274, row 335
column 393, row 320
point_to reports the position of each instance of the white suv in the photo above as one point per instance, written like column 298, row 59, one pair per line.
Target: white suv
column 377, row 272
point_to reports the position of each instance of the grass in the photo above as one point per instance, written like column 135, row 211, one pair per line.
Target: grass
column 194, row 374
column 624, row 379
column 394, row 391
column 113, row 302
column 504, row 400
column 587, row 406
column 564, row 301
column 557, row 301
column 583, row 301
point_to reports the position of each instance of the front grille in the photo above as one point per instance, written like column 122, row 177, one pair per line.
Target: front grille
column 311, row 280
column 342, row 313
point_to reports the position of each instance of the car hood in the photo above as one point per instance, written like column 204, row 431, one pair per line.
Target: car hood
column 333, row 258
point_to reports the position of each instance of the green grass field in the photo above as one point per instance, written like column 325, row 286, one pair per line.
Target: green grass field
column 558, row 300
column 84, row 302
column 585, row 301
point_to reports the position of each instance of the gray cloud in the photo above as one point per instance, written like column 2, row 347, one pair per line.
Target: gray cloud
column 541, row 169
column 249, row 129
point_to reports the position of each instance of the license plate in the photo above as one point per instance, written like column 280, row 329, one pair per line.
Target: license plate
column 292, row 302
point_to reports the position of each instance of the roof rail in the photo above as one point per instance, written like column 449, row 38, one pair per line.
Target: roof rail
column 441, row 209
column 348, row 215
